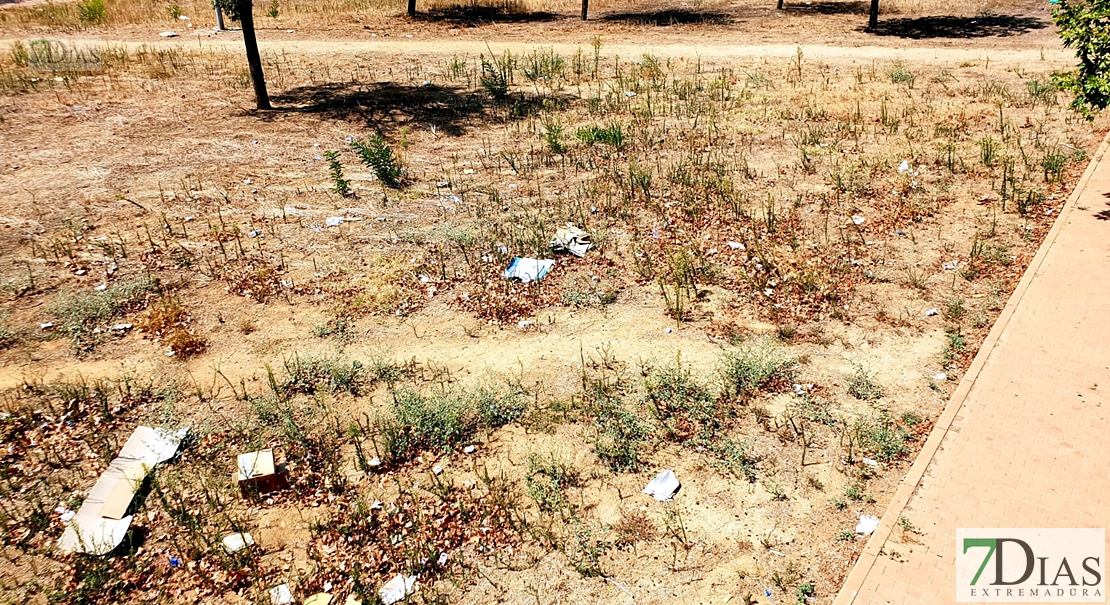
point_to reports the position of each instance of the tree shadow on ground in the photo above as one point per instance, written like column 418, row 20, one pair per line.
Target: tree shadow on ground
column 1104, row 215
column 958, row 27
column 385, row 106
column 826, row 8
column 474, row 16
column 671, row 16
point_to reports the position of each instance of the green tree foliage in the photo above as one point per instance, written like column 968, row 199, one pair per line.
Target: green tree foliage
column 1085, row 27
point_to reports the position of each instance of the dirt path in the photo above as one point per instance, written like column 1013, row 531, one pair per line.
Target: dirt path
column 277, row 42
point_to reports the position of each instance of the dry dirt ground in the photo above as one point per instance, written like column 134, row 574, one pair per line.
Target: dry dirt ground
column 801, row 233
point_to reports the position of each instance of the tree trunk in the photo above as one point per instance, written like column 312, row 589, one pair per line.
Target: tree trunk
column 873, row 18
column 412, row 8
column 585, row 8
column 254, row 60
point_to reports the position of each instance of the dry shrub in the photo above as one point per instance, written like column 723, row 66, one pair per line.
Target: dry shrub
column 634, row 526
column 253, row 277
column 186, row 343
column 168, row 322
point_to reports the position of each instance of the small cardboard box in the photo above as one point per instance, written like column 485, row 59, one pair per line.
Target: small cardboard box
column 257, row 474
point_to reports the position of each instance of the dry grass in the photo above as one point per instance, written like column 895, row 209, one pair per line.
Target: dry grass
column 722, row 197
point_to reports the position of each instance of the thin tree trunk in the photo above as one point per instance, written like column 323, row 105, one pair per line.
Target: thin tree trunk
column 873, row 18
column 254, row 60
column 412, row 8
column 585, row 8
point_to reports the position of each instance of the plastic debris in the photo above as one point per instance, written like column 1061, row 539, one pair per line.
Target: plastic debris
column 735, row 245
column 237, row 542
column 870, row 462
column 931, row 312
column 664, row 486
column 867, row 525
column 904, row 167
column 951, row 266
column 101, row 287
column 571, row 239
column 46, row 326
column 397, row 589
column 528, row 269
column 175, row 562
column 470, row 449
column 168, row 34
column 281, row 595
column 940, row 377
column 437, row 469
column 857, row 219
column 121, row 327
column 334, row 221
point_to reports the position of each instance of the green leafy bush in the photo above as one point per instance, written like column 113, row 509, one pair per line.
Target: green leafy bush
column 1084, row 26
column 379, row 157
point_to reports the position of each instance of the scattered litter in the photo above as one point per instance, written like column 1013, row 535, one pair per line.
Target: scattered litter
column 80, row 272
column 437, row 469
column 668, row 330
column 768, row 591
column 101, row 287
column 951, row 266
column 257, row 473
column 442, row 559
column 857, row 219
column 904, row 167
column 99, row 526
column 629, row 94
column 442, row 184
column 571, row 239
column 254, row 233
column 931, row 312
column 175, row 562
column 322, row 598
column 375, row 461
column 93, row 534
column 528, row 269
column 46, row 326
column 334, row 221
column 799, row 390
column 526, row 324
column 867, row 525
column 65, row 513
column 735, row 245
column 184, row 18
column 168, row 34
column 663, row 487
column 900, row 232
column 470, row 449
column 940, row 377
column 397, row 589
column 237, row 542
column 281, row 595
column 870, row 462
